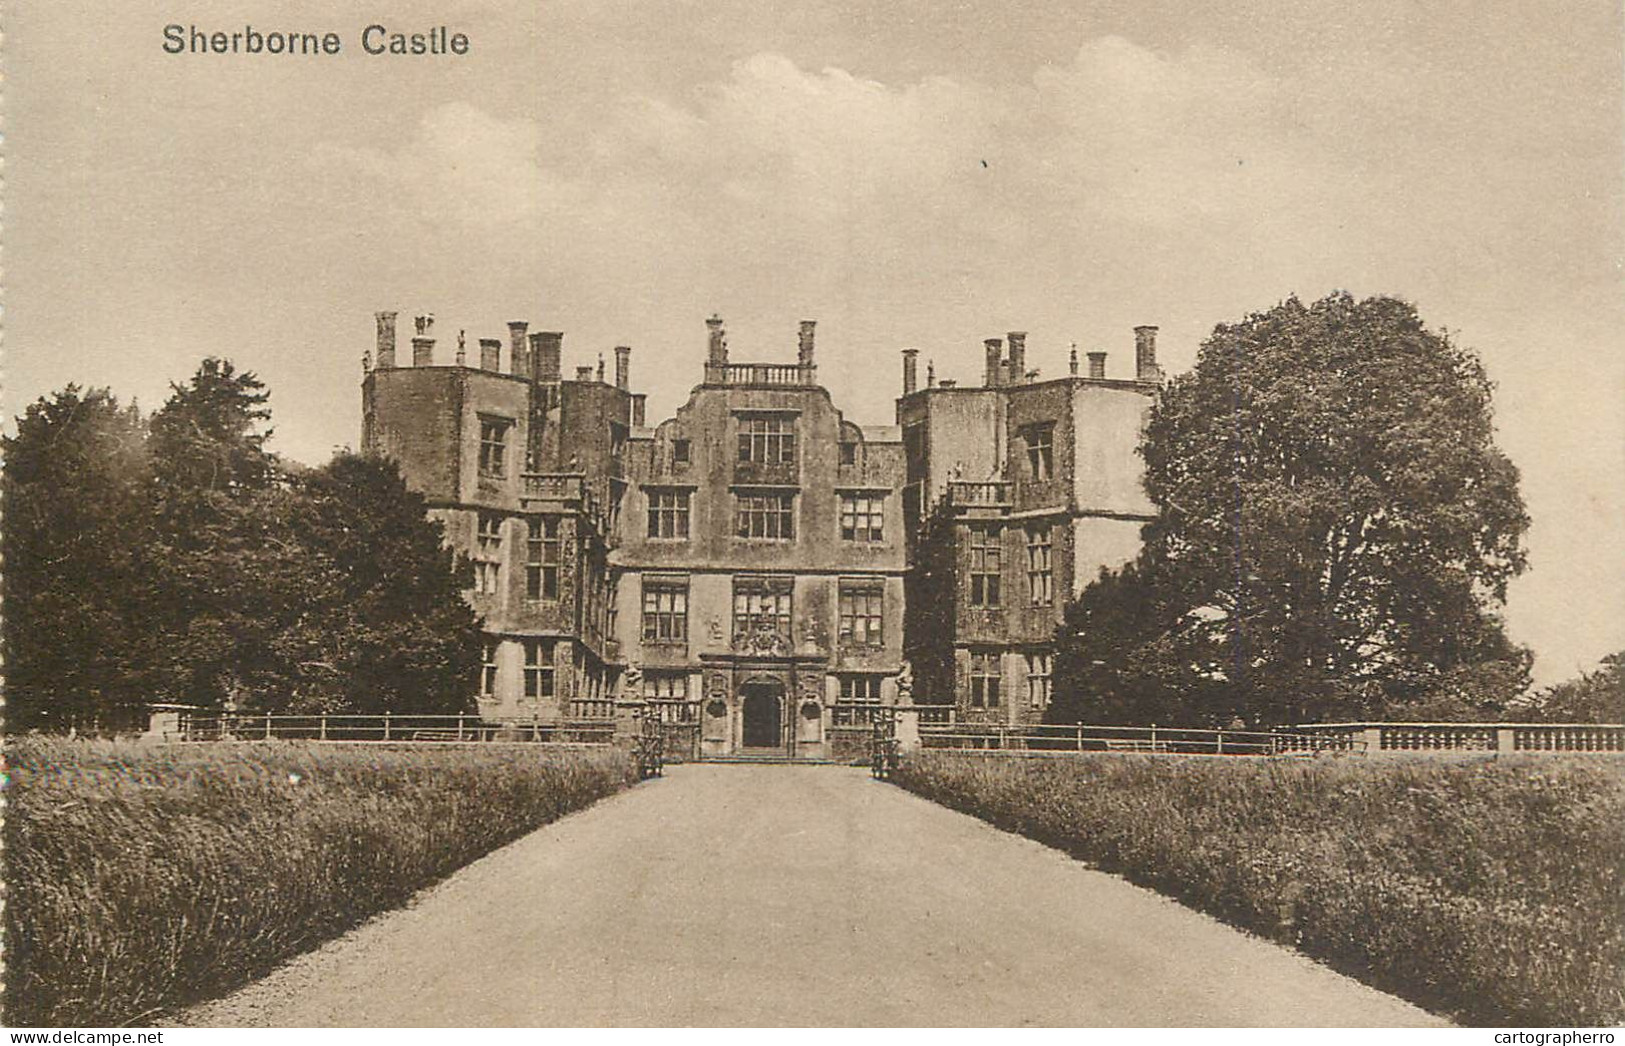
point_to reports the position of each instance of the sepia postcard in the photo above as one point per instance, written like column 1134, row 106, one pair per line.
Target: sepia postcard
column 836, row 514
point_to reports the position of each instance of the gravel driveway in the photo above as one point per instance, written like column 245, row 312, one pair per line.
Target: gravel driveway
column 792, row 896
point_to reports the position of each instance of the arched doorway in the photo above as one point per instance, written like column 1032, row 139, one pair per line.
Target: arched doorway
column 763, row 710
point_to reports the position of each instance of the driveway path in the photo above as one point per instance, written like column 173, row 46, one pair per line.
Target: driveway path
column 766, row 895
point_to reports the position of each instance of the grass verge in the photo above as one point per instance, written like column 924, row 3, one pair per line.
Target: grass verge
column 1489, row 890
column 141, row 878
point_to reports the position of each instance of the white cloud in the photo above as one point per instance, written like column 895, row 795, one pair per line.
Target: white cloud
column 464, row 164
column 777, row 152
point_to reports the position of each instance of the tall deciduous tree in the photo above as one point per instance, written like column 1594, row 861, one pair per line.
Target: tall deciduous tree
column 217, row 544
column 74, row 527
column 385, row 627
column 182, row 561
column 1594, row 697
column 1336, row 526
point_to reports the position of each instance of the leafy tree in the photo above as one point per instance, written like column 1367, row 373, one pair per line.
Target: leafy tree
column 180, row 560
column 1335, row 526
column 383, row 626
column 73, row 528
column 215, row 500
column 1121, row 660
column 1594, row 697
column 207, row 440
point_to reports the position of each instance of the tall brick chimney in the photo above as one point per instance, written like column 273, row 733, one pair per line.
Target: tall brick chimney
column 491, row 354
column 1097, row 365
column 804, row 343
column 1018, row 357
column 717, row 348
column 518, row 357
column 1145, row 353
column 910, row 358
column 546, row 355
column 995, row 366
column 623, row 366
column 386, row 339
column 423, row 341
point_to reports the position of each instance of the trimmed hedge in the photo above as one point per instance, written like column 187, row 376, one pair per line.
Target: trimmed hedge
column 1489, row 890
column 141, row 878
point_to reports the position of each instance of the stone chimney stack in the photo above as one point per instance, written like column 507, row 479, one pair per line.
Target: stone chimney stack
column 1097, row 366
column 623, row 367
column 910, row 364
column 546, row 352
column 1018, row 357
column 717, row 349
column 1145, row 354
column 584, row 372
column 1072, row 361
column 491, row 354
column 930, row 374
column 386, row 340
column 600, row 368
column 804, row 343
column 995, row 366
column 639, row 402
column 423, row 341
column 518, row 357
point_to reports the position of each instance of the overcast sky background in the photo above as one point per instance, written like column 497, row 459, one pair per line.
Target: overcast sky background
column 907, row 174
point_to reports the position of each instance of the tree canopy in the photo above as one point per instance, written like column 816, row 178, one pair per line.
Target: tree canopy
column 178, row 560
column 1593, row 697
column 73, row 489
column 1335, row 531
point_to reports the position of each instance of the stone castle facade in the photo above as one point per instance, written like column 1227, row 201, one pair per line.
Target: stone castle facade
column 758, row 570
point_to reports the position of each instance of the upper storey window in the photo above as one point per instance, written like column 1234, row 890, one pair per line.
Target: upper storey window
column 494, row 433
column 668, row 514
column 862, row 517
column 985, row 564
column 767, row 439
column 768, row 515
column 681, row 450
column 1040, row 440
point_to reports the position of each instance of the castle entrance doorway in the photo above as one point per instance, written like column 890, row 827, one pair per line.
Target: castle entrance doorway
column 763, row 713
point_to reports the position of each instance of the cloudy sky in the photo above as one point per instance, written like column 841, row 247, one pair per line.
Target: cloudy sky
column 907, row 173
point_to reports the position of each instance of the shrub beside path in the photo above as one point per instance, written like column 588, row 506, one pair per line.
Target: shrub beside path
column 792, row 896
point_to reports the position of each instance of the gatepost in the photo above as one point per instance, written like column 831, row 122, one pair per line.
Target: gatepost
column 908, row 729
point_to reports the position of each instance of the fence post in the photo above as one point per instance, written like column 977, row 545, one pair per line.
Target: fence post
column 1503, row 740
column 323, row 726
column 1153, row 738
column 386, row 726
column 1080, row 737
column 267, row 726
column 1218, row 744
column 459, row 726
